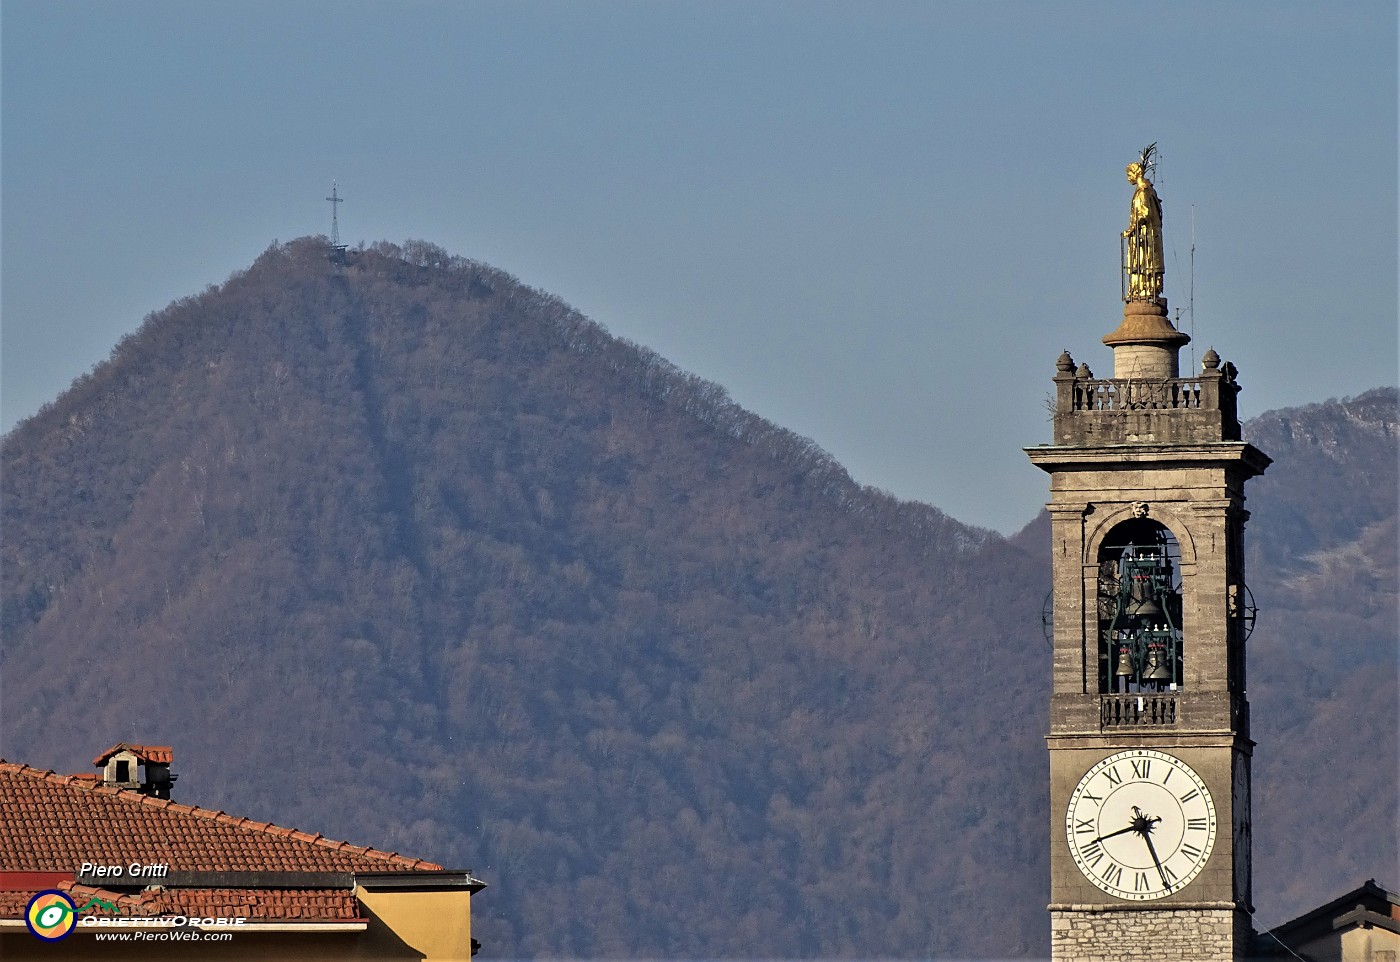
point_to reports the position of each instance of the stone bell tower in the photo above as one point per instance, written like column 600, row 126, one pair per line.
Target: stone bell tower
column 1149, row 723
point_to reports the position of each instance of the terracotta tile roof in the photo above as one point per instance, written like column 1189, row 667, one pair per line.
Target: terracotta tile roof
column 55, row 823
column 52, row 822
column 159, row 754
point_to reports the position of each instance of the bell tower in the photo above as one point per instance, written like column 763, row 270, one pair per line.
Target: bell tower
column 1149, row 723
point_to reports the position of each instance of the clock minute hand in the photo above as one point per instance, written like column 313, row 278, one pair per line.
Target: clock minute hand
column 1152, row 850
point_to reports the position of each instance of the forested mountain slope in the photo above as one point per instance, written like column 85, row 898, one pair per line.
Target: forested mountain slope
column 1323, row 686
column 410, row 554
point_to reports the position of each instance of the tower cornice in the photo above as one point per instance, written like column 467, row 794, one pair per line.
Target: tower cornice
column 1058, row 457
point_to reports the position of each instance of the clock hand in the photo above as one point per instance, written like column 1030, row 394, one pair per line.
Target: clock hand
column 1142, row 824
column 1121, row 831
column 1152, row 850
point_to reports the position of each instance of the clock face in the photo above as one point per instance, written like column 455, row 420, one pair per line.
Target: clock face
column 1140, row 825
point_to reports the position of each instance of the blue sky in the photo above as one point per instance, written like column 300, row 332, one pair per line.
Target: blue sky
column 875, row 223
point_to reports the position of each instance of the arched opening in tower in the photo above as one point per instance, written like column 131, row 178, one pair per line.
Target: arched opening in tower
column 1141, row 647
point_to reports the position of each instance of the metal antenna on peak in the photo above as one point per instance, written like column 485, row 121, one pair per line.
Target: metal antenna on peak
column 336, row 200
column 1191, row 295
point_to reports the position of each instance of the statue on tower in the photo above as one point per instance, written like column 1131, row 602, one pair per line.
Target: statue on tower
column 1143, row 263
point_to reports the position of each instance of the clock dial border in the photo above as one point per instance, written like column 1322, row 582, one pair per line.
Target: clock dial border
column 1133, row 865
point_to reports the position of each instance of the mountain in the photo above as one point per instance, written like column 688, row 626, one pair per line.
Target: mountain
column 405, row 552
column 1323, row 567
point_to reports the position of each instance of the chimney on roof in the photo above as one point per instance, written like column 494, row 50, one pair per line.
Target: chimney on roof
column 119, row 764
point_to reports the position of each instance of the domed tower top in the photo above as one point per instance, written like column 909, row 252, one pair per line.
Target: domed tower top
column 1145, row 345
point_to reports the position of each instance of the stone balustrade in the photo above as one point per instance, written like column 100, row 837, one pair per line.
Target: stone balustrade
column 1137, row 710
column 1170, row 394
column 1127, row 410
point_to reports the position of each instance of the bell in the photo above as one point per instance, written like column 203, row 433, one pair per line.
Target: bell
column 1125, row 659
column 1142, row 602
column 1158, row 667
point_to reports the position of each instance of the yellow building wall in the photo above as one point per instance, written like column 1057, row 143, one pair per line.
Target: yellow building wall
column 436, row 925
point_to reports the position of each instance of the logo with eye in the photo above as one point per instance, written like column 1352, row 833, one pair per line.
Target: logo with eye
column 51, row 915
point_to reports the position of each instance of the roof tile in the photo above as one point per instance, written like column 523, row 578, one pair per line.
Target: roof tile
column 159, row 754
column 54, row 822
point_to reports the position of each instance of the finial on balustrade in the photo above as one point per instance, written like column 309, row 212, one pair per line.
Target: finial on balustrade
column 1064, row 363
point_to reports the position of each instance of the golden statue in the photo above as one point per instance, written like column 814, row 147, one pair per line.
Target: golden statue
column 1143, row 264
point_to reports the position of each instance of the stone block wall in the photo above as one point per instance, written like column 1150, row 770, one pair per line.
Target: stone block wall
column 1178, row 934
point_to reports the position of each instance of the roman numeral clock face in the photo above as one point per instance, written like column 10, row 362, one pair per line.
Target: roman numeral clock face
column 1140, row 825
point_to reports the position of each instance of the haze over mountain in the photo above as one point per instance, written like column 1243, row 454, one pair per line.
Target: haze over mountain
column 408, row 553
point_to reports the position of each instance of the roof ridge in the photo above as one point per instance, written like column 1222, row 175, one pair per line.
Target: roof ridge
column 219, row 817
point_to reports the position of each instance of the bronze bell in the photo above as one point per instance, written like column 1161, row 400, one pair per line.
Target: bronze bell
column 1125, row 657
column 1158, row 667
column 1142, row 603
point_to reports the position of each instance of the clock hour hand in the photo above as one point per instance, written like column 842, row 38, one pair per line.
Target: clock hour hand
column 1121, row 831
